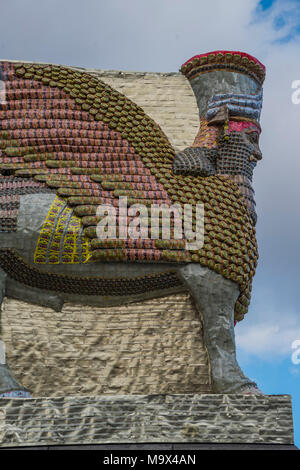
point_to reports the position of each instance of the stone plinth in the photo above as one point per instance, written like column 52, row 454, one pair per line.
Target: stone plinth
column 205, row 418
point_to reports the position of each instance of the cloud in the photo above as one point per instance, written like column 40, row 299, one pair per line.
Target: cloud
column 156, row 35
column 284, row 17
column 272, row 324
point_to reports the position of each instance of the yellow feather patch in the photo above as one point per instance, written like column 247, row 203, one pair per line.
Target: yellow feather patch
column 61, row 240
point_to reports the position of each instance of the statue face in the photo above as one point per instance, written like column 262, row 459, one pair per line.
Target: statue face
column 232, row 151
column 251, row 137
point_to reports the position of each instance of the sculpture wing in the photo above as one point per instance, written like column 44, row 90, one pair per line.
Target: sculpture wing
column 70, row 131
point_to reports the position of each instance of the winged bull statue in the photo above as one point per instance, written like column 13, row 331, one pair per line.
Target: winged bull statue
column 70, row 144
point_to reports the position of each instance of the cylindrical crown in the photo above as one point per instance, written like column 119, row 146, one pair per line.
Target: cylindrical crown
column 232, row 77
column 234, row 61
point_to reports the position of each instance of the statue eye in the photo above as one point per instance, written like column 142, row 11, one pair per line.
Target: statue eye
column 253, row 136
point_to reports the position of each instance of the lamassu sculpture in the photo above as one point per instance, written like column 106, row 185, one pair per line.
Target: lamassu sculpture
column 71, row 144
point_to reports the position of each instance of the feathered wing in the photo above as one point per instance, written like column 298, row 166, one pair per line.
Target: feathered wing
column 67, row 130
column 70, row 131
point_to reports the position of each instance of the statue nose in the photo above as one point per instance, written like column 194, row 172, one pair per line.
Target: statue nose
column 255, row 155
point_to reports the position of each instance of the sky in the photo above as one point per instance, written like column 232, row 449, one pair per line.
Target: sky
column 158, row 36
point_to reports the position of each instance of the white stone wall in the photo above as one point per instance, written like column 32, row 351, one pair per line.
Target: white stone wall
column 147, row 347
column 166, row 98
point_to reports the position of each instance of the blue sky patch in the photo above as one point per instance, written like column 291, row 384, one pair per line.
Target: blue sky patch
column 265, row 4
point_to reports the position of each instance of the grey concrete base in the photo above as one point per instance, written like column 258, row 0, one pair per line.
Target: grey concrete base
column 133, row 419
column 162, row 448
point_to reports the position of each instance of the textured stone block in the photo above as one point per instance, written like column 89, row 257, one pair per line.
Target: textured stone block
column 155, row 346
column 212, row 418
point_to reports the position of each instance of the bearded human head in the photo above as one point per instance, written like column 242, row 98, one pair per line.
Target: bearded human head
column 228, row 89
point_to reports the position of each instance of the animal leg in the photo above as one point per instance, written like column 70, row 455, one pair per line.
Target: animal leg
column 9, row 387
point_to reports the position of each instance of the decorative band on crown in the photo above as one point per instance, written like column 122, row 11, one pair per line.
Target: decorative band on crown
column 234, row 61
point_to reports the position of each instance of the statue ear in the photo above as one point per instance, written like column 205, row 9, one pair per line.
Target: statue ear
column 221, row 117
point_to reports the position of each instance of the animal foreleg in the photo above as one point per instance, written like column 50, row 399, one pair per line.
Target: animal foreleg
column 9, row 387
column 215, row 297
